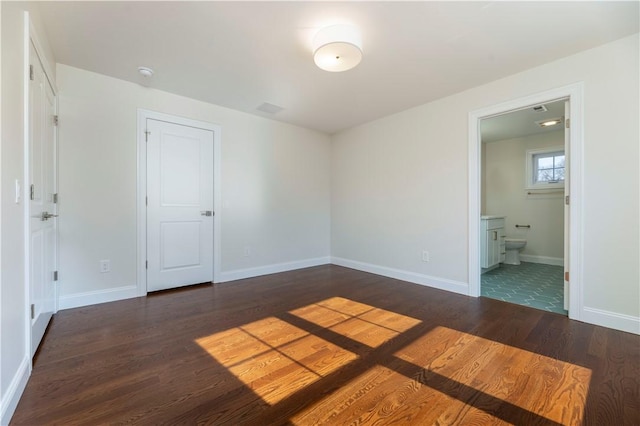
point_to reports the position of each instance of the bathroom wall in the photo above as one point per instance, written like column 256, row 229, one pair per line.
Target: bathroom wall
column 504, row 193
column 483, row 179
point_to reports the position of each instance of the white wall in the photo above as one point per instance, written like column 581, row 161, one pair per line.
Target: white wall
column 398, row 188
column 399, row 184
column 14, row 335
column 275, row 185
column 393, row 187
column 505, row 194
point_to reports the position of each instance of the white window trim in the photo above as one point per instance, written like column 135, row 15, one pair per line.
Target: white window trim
column 529, row 183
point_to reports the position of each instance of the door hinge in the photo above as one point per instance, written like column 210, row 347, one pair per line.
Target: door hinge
column 55, row 198
column 33, row 311
column 146, row 264
column 146, row 201
column 55, row 120
column 146, row 135
column 31, row 192
column 567, row 123
column 566, row 200
column 31, row 72
column 566, row 276
column 55, row 275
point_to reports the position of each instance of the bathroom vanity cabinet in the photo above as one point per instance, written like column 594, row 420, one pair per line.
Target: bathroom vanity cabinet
column 492, row 241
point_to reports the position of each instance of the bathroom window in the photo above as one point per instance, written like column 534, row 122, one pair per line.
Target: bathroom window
column 545, row 168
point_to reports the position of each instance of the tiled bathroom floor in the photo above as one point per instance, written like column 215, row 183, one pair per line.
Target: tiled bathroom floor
column 529, row 284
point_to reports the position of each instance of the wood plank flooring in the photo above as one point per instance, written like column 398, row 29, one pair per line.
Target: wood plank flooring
column 328, row 345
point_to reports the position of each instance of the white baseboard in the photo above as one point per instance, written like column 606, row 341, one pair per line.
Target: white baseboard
column 98, row 296
column 412, row 277
column 609, row 319
column 555, row 261
column 12, row 396
column 240, row 274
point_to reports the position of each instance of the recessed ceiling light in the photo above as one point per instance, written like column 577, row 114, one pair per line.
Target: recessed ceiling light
column 145, row 71
column 549, row 122
column 337, row 48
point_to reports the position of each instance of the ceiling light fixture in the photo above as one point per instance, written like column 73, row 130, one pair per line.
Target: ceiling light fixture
column 549, row 122
column 337, row 48
column 145, row 71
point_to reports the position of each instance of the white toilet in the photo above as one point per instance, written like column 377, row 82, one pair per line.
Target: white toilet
column 512, row 248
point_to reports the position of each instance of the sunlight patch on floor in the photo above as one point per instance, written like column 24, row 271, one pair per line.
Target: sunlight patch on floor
column 360, row 322
column 274, row 358
column 554, row 389
column 450, row 377
column 384, row 396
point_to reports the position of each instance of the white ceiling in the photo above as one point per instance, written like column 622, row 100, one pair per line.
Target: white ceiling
column 243, row 54
column 521, row 123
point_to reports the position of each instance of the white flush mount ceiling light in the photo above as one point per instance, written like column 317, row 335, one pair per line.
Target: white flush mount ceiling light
column 337, row 48
column 145, row 71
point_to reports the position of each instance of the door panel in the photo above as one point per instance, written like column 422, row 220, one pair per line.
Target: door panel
column 180, row 245
column 180, row 170
column 179, row 194
column 42, row 176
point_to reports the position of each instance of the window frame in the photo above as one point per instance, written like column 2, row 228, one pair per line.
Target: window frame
column 531, row 155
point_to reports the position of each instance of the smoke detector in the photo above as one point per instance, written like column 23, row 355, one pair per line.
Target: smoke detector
column 145, row 71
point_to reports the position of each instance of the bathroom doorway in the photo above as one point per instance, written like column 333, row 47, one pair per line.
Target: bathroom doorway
column 573, row 212
column 524, row 170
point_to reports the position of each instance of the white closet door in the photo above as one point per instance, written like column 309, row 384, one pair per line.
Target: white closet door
column 42, row 209
column 179, row 205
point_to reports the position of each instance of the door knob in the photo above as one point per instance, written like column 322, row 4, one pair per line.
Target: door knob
column 47, row 216
column 206, row 213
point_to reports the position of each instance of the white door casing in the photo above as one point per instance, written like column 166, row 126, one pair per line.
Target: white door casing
column 180, row 201
column 42, row 210
column 574, row 94
column 567, row 192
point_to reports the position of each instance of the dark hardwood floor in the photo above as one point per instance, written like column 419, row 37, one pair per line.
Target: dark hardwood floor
column 328, row 345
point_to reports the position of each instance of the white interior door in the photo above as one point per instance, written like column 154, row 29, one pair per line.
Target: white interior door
column 179, row 205
column 567, row 168
column 42, row 208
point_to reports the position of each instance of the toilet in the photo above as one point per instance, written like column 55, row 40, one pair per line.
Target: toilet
column 512, row 248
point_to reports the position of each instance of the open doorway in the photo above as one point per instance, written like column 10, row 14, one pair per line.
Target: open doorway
column 573, row 250
column 524, row 168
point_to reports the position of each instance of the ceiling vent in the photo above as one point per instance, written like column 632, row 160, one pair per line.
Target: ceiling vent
column 269, row 108
column 539, row 108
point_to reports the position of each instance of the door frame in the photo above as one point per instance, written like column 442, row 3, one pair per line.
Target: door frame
column 31, row 38
column 574, row 94
column 141, row 193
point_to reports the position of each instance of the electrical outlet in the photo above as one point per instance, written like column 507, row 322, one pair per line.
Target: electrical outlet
column 105, row 266
column 425, row 256
column 247, row 251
